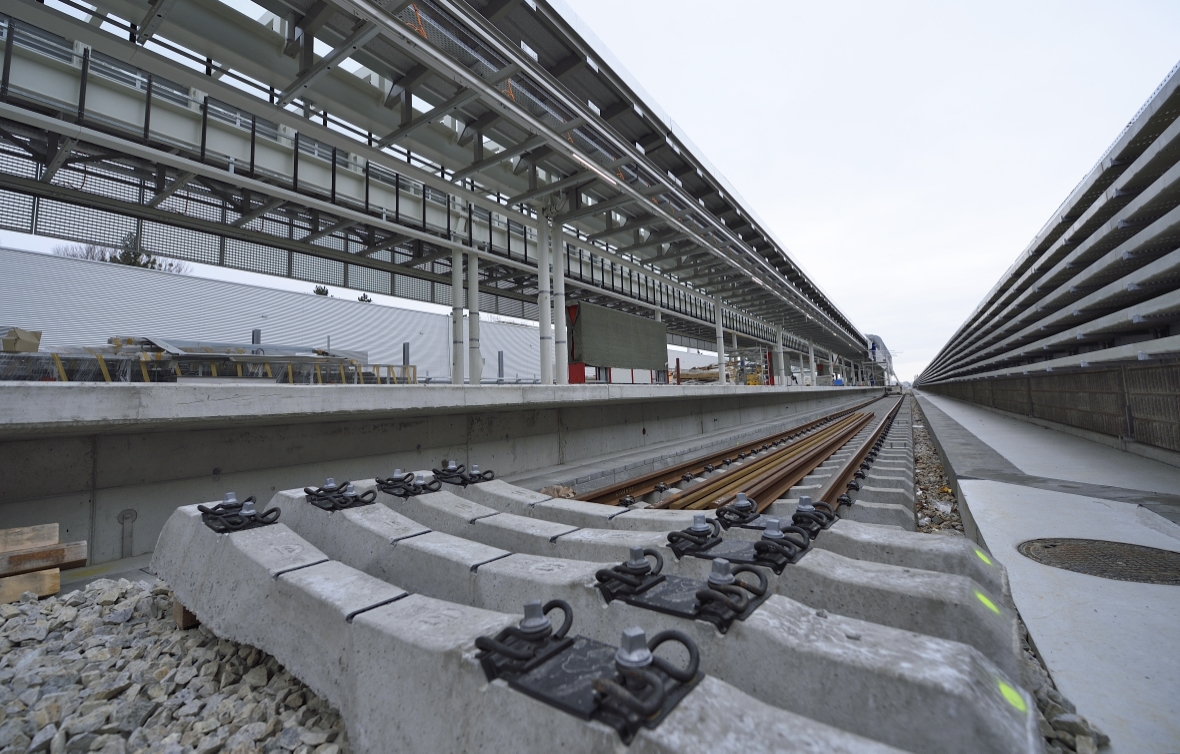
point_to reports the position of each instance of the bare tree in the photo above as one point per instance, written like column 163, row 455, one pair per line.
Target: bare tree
column 128, row 254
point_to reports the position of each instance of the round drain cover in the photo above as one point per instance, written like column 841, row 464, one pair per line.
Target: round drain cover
column 1108, row 560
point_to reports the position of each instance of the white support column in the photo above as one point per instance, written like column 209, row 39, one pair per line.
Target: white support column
column 560, row 347
column 779, row 362
column 811, row 363
column 456, row 317
column 720, row 341
column 544, row 302
column 474, row 357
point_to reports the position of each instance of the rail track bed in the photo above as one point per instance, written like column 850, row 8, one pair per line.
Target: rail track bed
column 450, row 610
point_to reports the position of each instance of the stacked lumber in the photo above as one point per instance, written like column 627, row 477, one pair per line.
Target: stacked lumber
column 32, row 559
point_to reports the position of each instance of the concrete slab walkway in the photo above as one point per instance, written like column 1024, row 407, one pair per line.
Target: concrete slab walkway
column 1111, row 646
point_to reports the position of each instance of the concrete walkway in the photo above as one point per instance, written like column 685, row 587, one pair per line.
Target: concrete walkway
column 1111, row 646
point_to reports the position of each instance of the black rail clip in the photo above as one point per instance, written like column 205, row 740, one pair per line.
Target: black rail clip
column 721, row 599
column 778, row 548
column 813, row 517
column 229, row 515
column 457, row 474
column 405, row 485
column 742, row 513
column 699, row 537
column 626, row 687
column 338, row 497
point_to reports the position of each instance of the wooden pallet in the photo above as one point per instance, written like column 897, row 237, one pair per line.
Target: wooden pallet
column 32, row 559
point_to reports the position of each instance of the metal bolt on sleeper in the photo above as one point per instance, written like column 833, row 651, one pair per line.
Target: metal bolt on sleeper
column 699, row 524
column 633, row 651
column 721, row 574
column 772, row 530
column 535, row 621
column 743, row 503
column 637, row 559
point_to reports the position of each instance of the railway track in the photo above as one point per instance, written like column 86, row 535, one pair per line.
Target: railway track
column 764, row 469
column 634, row 490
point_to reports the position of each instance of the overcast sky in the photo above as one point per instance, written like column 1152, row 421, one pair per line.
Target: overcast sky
column 905, row 152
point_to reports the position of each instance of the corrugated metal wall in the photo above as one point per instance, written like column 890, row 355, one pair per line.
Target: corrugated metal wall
column 1133, row 401
column 82, row 303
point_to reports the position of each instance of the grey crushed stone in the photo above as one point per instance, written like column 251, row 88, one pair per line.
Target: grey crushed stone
column 106, row 670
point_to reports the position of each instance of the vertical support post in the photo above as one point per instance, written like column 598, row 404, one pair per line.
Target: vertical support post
column 332, row 196
column 147, row 108
column 367, row 163
column 253, row 142
column 811, row 362
column 82, row 86
column 456, row 316
column 544, row 303
column 9, row 43
column 718, row 317
column 474, row 357
column 204, row 125
column 295, row 166
column 405, row 354
column 779, row 361
column 499, row 367
column 560, row 348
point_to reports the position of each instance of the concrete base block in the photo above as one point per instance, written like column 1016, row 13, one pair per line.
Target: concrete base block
column 892, row 495
column 888, row 514
column 927, row 602
column 881, row 544
column 399, row 666
column 889, row 482
column 445, row 512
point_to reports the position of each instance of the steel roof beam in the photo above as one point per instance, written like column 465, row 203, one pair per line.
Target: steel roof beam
column 181, row 181
column 150, row 23
column 460, row 98
column 498, row 158
column 360, row 36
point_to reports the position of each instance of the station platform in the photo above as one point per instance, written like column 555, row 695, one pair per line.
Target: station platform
column 1017, row 481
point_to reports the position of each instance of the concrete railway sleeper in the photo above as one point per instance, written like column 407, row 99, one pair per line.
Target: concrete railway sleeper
column 937, row 604
column 852, row 539
column 879, row 659
column 269, row 588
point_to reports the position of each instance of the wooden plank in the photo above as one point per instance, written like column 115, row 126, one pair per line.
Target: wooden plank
column 63, row 556
column 41, row 583
column 28, row 536
column 184, row 619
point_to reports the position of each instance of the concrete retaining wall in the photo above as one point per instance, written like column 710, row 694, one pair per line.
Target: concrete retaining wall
column 83, row 454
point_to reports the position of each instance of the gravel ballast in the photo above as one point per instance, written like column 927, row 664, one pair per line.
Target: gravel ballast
column 105, row 669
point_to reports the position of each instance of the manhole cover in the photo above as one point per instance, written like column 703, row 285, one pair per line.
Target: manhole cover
column 1108, row 560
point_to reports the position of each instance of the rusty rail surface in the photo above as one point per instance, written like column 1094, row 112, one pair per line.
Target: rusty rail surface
column 837, row 483
column 760, row 475
column 668, row 477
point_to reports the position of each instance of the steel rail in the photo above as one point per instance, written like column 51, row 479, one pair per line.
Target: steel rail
column 646, row 484
column 838, row 482
column 761, row 478
column 775, row 483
